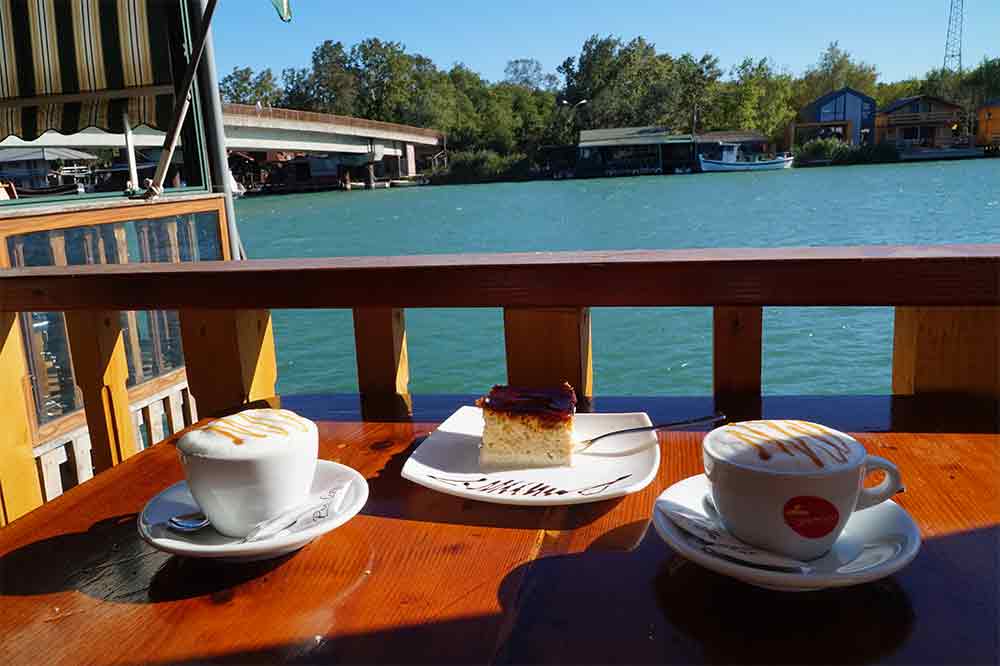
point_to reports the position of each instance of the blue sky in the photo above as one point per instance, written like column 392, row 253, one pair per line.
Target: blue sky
column 901, row 37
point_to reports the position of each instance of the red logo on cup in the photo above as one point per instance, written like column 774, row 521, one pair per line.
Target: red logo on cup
column 812, row 517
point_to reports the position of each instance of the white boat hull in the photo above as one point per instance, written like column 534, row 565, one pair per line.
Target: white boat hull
column 763, row 165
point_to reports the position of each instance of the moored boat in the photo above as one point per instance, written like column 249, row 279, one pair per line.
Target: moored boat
column 733, row 160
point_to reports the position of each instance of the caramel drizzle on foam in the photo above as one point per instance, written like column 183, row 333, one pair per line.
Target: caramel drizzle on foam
column 239, row 426
column 801, row 438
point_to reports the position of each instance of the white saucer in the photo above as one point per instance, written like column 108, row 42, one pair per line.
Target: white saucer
column 875, row 543
column 177, row 500
column 448, row 461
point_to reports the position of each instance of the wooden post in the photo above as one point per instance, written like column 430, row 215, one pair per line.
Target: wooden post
column 549, row 346
column 229, row 355
column 20, row 488
column 98, row 346
column 152, row 414
column 370, row 176
column 57, row 244
column 81, row 455
column 175, row 412
column 383, row 364
column 149, row 251
column 946, row 350
column 191, row 231
column 114, row 239
column 736, row 361
column 50, row 463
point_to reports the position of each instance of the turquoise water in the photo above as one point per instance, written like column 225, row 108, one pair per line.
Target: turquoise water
column 637, row 351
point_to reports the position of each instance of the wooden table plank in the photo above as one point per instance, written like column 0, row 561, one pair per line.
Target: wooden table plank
column 424, row 577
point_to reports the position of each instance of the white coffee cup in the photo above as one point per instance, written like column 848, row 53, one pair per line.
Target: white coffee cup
column 249, row 467
column 790, row 486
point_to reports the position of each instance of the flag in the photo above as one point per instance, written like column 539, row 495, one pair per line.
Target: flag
column 284, row 8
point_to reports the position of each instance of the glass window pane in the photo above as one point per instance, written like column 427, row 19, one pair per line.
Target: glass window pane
column 152, row 339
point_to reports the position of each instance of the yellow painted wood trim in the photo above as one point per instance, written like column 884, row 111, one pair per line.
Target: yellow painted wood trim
column 229, row 357
column 101, row 371
column 20, row 488
column 54, row 219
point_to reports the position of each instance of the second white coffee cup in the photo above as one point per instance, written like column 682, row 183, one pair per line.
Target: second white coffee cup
column 790, row 486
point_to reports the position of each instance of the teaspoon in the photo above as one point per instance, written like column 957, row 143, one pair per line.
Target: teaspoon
column 188, row 522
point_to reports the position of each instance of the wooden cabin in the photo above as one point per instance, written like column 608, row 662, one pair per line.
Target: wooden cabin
column 988, row 125
column 921, row 121
column 845, row 114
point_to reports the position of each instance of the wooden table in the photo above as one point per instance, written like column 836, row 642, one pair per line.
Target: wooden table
column 425, row 577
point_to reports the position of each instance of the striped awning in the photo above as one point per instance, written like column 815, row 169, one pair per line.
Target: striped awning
column 72, row 64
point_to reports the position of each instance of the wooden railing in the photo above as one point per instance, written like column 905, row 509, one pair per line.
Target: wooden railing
column 946, row 337
column 159, row 408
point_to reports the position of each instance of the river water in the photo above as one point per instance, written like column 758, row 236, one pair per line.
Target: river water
column 637, row 351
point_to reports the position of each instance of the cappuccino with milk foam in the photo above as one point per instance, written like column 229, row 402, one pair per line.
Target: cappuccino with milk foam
column 248, row 467
column 790, row 486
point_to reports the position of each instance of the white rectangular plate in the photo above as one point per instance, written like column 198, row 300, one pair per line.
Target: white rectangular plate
column 448, row 461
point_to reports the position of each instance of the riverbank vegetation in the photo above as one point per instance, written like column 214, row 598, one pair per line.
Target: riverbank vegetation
column 499, row 126
column 834, row 151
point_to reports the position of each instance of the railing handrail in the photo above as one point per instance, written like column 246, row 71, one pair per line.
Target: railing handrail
column 938, row 275
column 329, row 119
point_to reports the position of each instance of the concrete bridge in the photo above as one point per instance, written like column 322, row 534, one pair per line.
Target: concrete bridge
column 251, row 129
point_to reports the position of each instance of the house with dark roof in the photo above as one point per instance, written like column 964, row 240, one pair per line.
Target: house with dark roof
column 845, row 114
column 921, row 121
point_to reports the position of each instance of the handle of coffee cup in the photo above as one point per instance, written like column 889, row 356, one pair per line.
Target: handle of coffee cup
column 890, row 485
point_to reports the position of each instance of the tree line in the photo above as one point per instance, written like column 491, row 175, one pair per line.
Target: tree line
column 624, row 83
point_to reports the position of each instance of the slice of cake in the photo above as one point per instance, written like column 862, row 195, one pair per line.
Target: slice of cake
column 526, row 427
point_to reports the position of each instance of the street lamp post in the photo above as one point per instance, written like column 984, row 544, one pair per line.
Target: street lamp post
column 572, row 107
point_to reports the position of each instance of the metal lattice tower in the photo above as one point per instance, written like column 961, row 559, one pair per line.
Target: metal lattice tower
column 953, row 44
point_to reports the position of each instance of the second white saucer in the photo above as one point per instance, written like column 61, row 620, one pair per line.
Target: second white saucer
column 875, row 543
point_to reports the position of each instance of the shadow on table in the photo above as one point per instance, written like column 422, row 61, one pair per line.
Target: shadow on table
column 392, row 496
column 647, row 605
column 110, row 562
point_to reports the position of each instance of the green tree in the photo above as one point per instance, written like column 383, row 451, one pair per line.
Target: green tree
column 834, row 70
column 383, row 71
column 983, row 82
column 298, row 90
column 886, row 92
column 696, row 90
column 333, row 84
column 758, row 97
column 529, row 73
column 624, row 83
column 241, row 86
